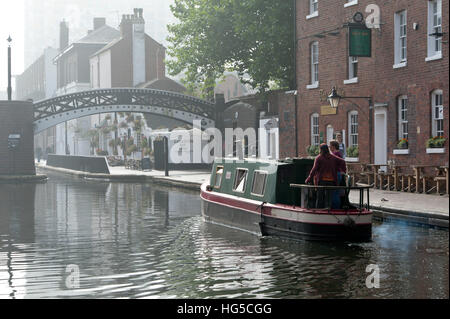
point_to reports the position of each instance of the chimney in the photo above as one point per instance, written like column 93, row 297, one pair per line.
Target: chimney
column 99, row 22
column 63, row 35
column 126, row 26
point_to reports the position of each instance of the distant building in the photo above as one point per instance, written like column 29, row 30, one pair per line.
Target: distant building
column 73, row 61
column 73, row 75
column 38, row 82
column 231, row 87
column 134, row 59
column 131, row 59
column 41, row 33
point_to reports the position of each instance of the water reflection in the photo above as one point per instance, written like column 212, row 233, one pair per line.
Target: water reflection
column 143, row 241
column 16, row 232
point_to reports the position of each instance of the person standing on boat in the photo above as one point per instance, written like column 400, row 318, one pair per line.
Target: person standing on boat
column 325, row 173
column 338, row 196
column 341, row 147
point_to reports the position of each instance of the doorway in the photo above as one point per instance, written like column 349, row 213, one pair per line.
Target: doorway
column 380, row 137
column 330, row 134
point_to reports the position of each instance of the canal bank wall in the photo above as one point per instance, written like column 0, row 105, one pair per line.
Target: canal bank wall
column 419, row 209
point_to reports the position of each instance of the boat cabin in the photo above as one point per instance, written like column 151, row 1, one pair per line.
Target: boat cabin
column 262, row 180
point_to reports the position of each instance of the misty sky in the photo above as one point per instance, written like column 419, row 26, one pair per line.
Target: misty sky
column 11, row 22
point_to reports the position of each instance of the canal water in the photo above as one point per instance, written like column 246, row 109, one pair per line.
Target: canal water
column 72, row 238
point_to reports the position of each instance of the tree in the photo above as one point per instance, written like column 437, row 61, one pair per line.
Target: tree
column 254, row 37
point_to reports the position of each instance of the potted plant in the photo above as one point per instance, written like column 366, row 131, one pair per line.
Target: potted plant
column 313, row 150
column 436, row 142
column 353, row 151
column 402, row 144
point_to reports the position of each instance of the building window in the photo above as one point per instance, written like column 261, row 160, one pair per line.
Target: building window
column 314, row 63
column 259, row 183
column 219, row 174
column 434, row 29
column 402, row 117
column 400, row 37
column 313, row 7
column 437, row 110
column 353, row 67
column 315, row 135
column 240, row 179
column 353, row 128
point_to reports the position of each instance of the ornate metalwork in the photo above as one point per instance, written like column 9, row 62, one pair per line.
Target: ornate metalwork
column 66, row 107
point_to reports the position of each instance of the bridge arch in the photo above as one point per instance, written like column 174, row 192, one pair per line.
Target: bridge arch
column 50, row 112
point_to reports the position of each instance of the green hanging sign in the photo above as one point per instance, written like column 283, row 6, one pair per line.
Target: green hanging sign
column 360, row 40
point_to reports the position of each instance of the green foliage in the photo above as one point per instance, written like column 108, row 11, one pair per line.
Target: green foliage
column 101, row 152
column 353, row 151
column 313, row 150
column 436, row 142
column 252, row 37
column 402, row 144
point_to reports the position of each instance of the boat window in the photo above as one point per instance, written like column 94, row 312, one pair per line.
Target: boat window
column 240, row 180
column 219, row 174
column 259, row 183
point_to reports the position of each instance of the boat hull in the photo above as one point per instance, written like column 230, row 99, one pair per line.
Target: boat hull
column 285, row 221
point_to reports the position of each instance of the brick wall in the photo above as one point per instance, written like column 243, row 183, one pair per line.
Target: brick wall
column 376, row 76
column 16, row 117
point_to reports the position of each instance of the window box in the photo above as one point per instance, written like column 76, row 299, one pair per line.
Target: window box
column 351, row 81
column 401, row 152
column 313, row 86
column 352, row 159
column 350, row 3
column 434, row 57
column 312, row 15
column 399, row 65
column 435, row 150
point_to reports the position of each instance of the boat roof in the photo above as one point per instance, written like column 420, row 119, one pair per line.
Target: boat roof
column 249, row 160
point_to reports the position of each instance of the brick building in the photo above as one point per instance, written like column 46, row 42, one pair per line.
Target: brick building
column 133, row 58
column 406, row 76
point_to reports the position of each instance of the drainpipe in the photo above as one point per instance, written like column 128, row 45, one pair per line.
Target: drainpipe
column 295, row 77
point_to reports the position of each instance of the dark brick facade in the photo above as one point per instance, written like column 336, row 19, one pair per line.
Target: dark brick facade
column 16, row 117
column 376, row 76
column 282, row 104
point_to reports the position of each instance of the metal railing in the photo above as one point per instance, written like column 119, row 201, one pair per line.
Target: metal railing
column 312, row 192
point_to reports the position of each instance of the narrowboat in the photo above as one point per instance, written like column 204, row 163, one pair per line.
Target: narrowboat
column 269, row 198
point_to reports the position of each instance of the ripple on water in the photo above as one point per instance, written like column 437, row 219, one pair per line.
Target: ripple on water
column 134, row 241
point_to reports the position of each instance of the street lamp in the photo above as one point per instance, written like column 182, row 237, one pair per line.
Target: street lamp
column 334, row 99
column 9, row 68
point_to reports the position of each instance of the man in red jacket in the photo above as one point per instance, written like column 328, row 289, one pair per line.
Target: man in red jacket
column 325, row 173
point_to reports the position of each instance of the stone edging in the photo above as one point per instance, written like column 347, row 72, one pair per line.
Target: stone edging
column 38, row 178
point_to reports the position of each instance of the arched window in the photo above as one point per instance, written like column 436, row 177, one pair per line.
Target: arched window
column 315, row 135
column 402, row 117
column 437, row 113
column 353, row 128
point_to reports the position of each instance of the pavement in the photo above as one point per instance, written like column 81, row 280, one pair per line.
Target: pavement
column 424, row 209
